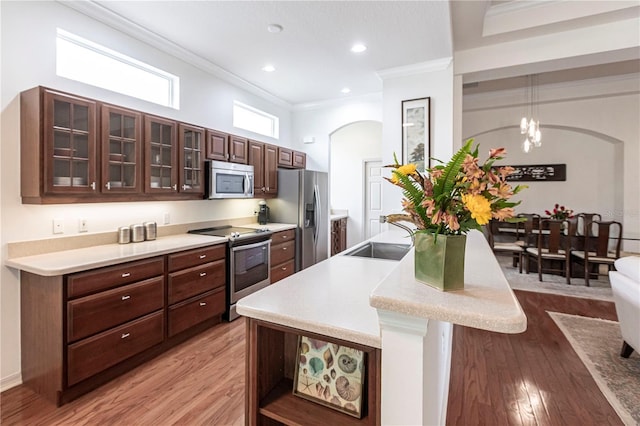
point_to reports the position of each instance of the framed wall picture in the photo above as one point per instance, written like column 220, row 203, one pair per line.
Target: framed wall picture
column 539, row 173
column 416, row 146
column 331, row 375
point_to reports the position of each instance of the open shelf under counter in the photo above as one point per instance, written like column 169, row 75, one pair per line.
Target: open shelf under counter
column 271, row 359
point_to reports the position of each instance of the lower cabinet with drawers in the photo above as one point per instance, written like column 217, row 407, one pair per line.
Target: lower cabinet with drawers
column 283, row 250
column 83, row 329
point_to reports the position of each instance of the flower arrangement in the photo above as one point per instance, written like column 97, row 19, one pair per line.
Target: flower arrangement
column 457, row 197
column 559, row 212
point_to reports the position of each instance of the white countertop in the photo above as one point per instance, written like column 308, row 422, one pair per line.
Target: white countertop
column 486, row 302
column 69, row 261
column 339, row 296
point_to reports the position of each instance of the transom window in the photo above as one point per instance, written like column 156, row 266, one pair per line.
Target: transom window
column 254, row 120
column 88, row 62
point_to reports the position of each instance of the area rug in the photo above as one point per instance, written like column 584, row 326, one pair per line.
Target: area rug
column 600, row 289
column 597, row 342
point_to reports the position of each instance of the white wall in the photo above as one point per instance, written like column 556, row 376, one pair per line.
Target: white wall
column 28, row 60
column 591, row 126
column 322, row 120
column 351, row 145
column 438, row 85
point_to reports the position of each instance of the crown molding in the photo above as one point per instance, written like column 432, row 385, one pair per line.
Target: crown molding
column 102, row 14
column 419, row 68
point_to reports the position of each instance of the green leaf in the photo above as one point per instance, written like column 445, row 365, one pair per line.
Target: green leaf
column 446, row 183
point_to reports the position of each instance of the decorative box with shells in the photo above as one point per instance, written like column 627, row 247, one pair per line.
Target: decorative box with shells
column 330, row 374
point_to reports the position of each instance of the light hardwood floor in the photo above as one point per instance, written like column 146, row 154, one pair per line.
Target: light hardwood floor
column 533, row 378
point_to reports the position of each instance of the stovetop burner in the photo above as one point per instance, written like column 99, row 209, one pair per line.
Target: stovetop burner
column 236, row 234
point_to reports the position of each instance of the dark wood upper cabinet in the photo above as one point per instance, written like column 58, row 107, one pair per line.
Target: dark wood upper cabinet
column 191, row 149
column 264, row 159
column 58, row 145
column 160, row 154
column 256, row 159
column 217, row 145
column 270, row 170
column 299, row 160
column 121, row 135
column 285, row 157
column 238, row 150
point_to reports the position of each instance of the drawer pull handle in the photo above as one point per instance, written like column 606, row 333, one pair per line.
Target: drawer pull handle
column 203, row 304
column 126, row 297
column 124, row 335
column 284, row 248
column 203, row 274
column 284, row 268
column 202, row 256
column 126, row 274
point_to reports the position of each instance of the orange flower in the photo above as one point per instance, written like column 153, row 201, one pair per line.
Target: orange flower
column 497, row 152
column 503, row 214
column 501, row 191
column 452, row 221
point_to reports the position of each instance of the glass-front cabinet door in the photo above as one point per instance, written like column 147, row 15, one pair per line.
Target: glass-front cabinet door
column 121, row 150
column 191, row 153
column 70, row 144
column 160, row 155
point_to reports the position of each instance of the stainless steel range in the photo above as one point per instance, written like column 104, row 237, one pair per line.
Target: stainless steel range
column 248, row 261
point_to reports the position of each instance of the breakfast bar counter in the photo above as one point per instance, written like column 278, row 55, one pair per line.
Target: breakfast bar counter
column 375, row 304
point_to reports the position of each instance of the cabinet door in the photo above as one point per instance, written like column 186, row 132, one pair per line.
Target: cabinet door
column 271, row 169
column 121, row 132
column 256, row 159
column 69, row 144
column 285, row 157
column 238, row 150
column 191, row 152
column 161, row 155
column 217, row 145
column 299, row 160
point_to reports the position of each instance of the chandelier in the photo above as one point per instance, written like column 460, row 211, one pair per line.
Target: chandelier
column 529, row 126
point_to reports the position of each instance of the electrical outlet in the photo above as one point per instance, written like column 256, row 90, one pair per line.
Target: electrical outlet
column 167, row 218
column 82, row 225
column 58, row 226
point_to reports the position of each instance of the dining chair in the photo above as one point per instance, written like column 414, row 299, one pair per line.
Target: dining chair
column 529, row 237
column 602, row 247
column 509, row 243
column 583, row 220
column 552, row 248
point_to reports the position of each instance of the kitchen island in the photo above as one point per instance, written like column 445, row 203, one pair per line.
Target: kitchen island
column 377, row 306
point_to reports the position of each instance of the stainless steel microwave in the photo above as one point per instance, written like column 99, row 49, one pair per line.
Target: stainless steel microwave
column 228, row 180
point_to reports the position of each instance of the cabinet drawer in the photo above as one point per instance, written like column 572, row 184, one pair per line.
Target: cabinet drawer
column 194, row 311
column 282, row 271
column 187, row 259
column 92, row 314
column 282, row 252
column 89, row 282
column 94, row 354
column 283, row 236
column 193, row 281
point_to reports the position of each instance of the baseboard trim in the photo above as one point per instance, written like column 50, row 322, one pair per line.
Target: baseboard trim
column 10, row 381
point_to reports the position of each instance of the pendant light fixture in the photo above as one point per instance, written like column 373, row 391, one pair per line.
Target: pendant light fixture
column 529, row 126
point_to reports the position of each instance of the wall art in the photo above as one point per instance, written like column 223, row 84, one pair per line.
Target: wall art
column 539, row 172
column 331, row 375
column 416, row 146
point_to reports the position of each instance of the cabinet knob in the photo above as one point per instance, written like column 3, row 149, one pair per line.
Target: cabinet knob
column 284, row 268
column 202, row 256
column 184, row 187
column 93, row 186
column 284, row 249
column 203, row 304
column 126, row 274
column 175, row 187
column 127, row 297
column 203, row 274
column 125, row 335
column 233, row 156
column 108, row 185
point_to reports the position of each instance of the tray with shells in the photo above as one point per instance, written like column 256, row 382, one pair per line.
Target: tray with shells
column 330, row 374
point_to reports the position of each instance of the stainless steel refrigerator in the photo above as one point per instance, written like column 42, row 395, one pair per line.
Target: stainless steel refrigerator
column 303, row 200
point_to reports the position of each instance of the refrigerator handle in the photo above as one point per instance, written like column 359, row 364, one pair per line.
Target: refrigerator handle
column 316, row 211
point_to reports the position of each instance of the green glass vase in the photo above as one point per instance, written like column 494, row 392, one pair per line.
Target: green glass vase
column 439, row 260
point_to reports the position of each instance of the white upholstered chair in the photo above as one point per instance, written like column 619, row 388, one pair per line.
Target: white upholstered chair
column 625, row 283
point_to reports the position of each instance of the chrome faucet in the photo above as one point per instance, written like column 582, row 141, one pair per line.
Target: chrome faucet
column 385, row 219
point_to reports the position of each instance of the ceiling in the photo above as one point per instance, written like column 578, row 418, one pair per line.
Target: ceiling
column 312, row 57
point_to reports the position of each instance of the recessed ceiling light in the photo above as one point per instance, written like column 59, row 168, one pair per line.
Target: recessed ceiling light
column 358, row 48
column 268, row 68
column 274, row 28
column 346, row 90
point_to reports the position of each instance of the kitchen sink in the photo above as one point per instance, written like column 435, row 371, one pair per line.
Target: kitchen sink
column 375, row 250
